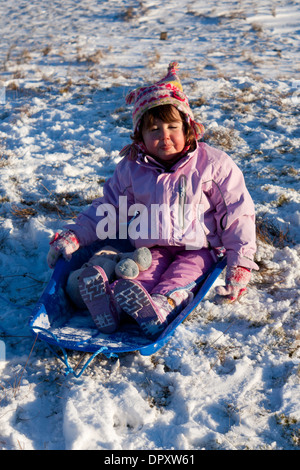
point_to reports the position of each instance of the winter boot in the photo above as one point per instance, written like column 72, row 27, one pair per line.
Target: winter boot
column 96, row 293
column 152, row 313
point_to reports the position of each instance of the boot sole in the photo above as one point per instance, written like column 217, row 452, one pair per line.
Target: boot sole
column 96, row 293
column 136, row 302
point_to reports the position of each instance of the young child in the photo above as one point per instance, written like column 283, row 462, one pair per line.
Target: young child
column 185, row 201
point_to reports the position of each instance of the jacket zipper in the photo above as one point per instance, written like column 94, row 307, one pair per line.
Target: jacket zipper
column 182, row 198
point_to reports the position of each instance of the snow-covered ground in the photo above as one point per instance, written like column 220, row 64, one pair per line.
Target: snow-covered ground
column 229, row 379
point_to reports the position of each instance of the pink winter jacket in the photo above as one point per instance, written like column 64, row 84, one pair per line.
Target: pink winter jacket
column 202, row 201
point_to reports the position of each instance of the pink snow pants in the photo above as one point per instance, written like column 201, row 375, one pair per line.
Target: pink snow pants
column 174, row 267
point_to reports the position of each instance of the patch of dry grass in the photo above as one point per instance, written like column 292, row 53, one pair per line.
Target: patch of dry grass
column 94, row 58
column 23, row 213
column 268, row 232
column 222, row 138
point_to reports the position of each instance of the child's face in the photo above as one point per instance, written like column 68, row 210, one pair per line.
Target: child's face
column 165, row 140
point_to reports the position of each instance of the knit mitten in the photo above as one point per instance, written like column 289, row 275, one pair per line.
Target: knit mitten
column 237, row 278
column 62, row 244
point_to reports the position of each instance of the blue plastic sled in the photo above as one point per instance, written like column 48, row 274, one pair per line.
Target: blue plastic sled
column 58, row 323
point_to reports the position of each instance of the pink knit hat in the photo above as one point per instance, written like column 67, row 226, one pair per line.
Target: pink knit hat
column 166, row 91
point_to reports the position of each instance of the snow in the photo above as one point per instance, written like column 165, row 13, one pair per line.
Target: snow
column 229, row 379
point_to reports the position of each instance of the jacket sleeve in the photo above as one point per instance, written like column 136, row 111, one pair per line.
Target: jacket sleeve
column 86, row 226
column 234, row 214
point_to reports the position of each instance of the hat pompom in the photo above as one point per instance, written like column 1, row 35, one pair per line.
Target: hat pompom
column 173, row 67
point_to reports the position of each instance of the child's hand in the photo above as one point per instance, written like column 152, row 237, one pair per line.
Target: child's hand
column 237, row 279
column 65, row 244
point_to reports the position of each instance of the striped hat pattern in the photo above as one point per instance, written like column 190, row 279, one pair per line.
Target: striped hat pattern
column 166, row 91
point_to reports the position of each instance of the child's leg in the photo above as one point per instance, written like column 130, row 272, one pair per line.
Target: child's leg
column 187, row 266
column 153, row 312
column 177, row 284
column 162, row 257
column 133, row 297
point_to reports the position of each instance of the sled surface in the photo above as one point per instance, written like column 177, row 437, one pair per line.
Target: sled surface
column 57, row 322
